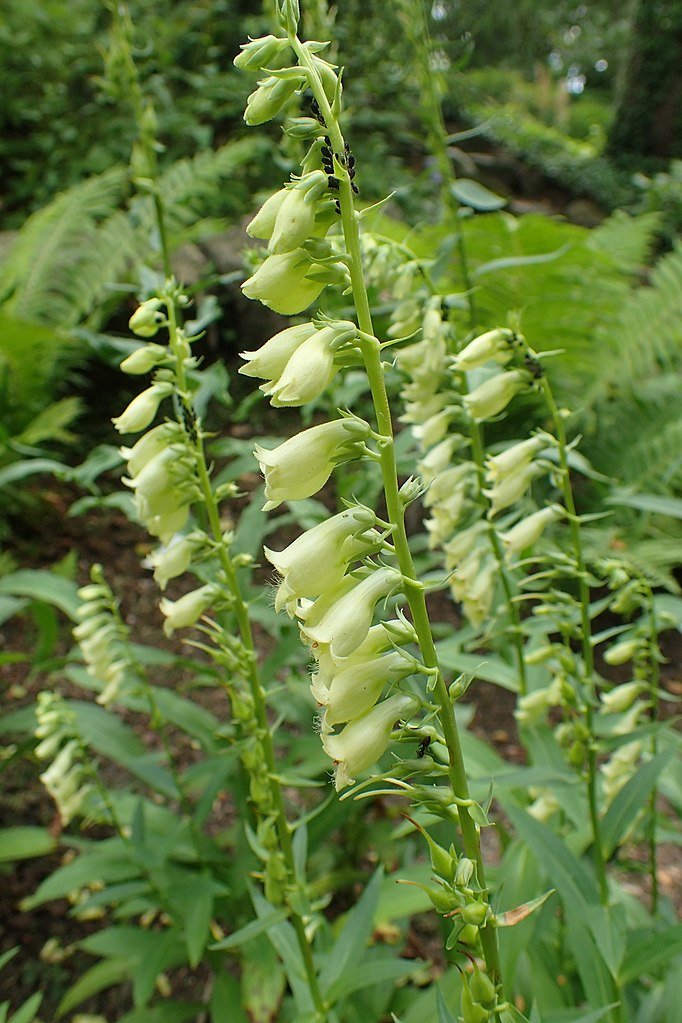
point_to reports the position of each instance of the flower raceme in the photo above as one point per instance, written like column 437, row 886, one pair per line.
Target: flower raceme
column 302, row 465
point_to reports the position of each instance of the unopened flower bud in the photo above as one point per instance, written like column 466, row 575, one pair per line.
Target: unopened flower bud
column 260, row 53
column 621, row 698
column 147, row 318
column 269, row 98
column 528, row 531
column 624, row 651
column 495, row 344
column 144, row 359
column 494, row 394
column 475, row 913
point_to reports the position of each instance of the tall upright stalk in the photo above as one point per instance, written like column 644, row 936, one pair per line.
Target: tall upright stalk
column 371, row 351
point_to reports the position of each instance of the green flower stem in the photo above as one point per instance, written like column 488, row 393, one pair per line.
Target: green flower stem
column 395, row 508
column 586, row 638
column 654, row 691
column 252, row 672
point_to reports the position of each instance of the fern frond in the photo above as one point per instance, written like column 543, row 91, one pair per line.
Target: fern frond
column 626, row 240
column 41, row 273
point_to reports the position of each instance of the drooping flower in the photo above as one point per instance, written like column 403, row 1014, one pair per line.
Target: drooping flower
column 173, row 559
column 513, row 458
column 342, row 618
column 281, row 282
column 362, row 742
column 142, row 409
column 302, row 465
column 494, row 394
column 317, row 560
column 528, row 531
column 511, row 488
column 357, row 688
column 187, row 610
column 268, row 99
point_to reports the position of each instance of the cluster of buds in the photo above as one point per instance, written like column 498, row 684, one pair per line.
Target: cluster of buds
column 67, row 778
column 103, row 639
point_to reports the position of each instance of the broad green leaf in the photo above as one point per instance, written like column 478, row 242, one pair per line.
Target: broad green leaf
column 108, row 861
column 193, row 903
column 655, row 503
column 649, row 950
column 591, row 1016
column 37, row 584
column 283, row 939
column 594, row 972
column 488, row 668
column 444, row 1014
column 30, row 467
column 477, row 196
column 96, row 979
column 509, row 262
column 630, row 802
column 349, row 947
column 376, row 970
column 22, row 843
column 575, row 883
column 225, row 1004
column 10, row 606
column 165, row 949
column 608, row 927
column 249, row 931
column 28, row 1010
column 263, row 982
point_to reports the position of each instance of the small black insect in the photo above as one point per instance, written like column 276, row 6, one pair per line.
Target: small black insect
column 533, row 365
column 316, row 112
column 423, row 747
column 355, row 188
column 333, row 183
column 337, row 206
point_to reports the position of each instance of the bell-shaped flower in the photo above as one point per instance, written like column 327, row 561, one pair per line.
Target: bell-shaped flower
column 142, row 409
column 463, row 544
column 493, row 345
column 342, row 619
column 621, row 698
column 434, row 428
column 449, row 483
column 444, row 517
column 357, row 688
column 618, row 770
column 280, row 283
column 623, row 651
column 302, row 465
column 511, row 488
column 308, row 368
column 182, row 613
column 513, row 458
column 439, row 457
column 166, row 522
column 379, row 639
column 150, row 444
column 317, row 560
column 173, row 559
column 478, row 598
column 270, row 360
column 494, row 394
column 362, row 742
column 462, row 579
column 263, row 224
column 528, row 531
